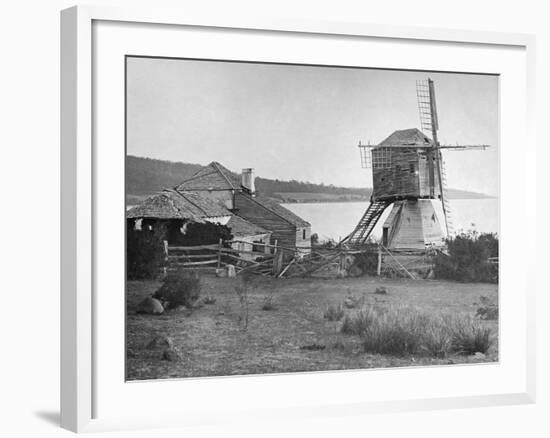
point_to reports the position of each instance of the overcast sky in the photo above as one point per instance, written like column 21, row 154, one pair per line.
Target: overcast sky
column 301, row 122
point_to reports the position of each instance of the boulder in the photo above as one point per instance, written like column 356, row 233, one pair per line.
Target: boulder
column 160, row 342
column 479, row 355
column 381, row 290
column 150, row 306
column 231, row 272
column 171, row 355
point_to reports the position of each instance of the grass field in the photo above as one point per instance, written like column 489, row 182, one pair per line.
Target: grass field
column 212, row 340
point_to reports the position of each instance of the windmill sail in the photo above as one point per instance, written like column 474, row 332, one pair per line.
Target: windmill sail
column 427, row 108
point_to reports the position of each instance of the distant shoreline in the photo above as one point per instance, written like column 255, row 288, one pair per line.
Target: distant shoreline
column 314, row 198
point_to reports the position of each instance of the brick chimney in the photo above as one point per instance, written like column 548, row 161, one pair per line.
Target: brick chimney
column 247, row 181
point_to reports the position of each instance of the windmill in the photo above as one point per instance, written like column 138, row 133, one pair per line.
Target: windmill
column 408, row 172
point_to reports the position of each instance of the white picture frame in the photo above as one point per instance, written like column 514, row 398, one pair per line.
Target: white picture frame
column 80, row 369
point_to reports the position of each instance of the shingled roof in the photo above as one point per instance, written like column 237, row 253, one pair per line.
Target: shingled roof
column 171, row 204
column 280, row 211
column 212, row 177
column 407, row 137
column 241, row 227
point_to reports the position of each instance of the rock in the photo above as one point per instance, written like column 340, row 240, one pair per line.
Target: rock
column 231, row 272
column 222, row 272
column 159, row 342
column 355, row 271
column 150, row 306
column 350, row 303
column 180, row 308
column 198, row 304
column 221, row 313
column 171, row 355
column 479, row 355
column 381, row 290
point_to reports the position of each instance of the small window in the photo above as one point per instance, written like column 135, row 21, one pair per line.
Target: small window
column 258, row 248
column 381, row 158
column 412, row 168
column 304, row 234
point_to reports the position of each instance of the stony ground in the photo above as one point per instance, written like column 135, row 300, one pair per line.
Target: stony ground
column 214, row 339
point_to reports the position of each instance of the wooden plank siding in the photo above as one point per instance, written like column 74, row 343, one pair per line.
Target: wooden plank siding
column 284, row 232
column 303, row 238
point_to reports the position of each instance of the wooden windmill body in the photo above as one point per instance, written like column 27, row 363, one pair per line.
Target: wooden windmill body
column 408, row 173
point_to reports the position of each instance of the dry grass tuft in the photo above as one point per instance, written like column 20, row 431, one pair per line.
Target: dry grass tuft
column 403, row 330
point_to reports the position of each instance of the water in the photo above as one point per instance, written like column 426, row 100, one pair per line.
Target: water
column 336, row 220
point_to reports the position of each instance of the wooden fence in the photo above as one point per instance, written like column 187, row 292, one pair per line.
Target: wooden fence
column 288, row 262
column 217, row 256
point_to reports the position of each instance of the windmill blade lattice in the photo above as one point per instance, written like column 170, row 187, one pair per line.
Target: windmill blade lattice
column 425, row 107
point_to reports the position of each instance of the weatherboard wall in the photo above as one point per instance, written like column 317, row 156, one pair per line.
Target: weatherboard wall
column 282, row 231
column 401, row 172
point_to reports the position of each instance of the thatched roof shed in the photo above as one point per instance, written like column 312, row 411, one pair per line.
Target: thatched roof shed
column 171, row 204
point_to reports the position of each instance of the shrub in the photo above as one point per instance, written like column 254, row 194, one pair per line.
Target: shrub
column 486, row 309
column 467, row 260
column 314, row 239
column 334, row 313
column 181, row 288
column 367, row 261
column 405, row 330
column 145, row 253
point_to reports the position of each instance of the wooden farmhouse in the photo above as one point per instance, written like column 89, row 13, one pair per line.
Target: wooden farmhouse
column 238, row 194
column 400, row 167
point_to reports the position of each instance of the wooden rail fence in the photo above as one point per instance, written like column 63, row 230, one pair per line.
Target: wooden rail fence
column 279, row 261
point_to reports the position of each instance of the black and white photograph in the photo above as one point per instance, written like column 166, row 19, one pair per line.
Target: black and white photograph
column 285, row 218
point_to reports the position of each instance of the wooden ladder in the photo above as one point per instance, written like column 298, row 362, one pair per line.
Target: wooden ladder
column 367, row 223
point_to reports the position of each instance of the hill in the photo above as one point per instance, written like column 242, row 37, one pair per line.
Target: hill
column 145, row 176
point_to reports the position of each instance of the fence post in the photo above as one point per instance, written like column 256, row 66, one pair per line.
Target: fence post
column 379, row 266
column 166, row 259
column 278, row 261
column 220, row 253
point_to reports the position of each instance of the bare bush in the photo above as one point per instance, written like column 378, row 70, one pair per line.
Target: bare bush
column 243, row 291
column 334, row 313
